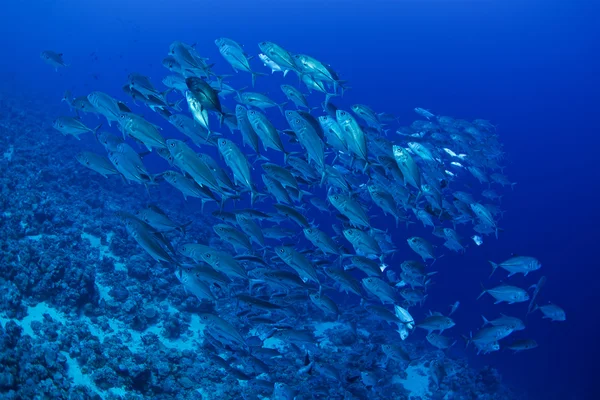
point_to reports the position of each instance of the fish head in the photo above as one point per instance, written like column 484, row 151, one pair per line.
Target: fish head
column 265, row 47
column 220, row 42
column 342, row 116
column 207, row 319
column 324, row 119
column 169, row 62
column 176, row 120
column 264, row 58
column 252, row 115
column 174, row 46
column 82, row 158
column 403, row 333
column 124, row 117
column 302, row 61
column 534, row 265
column 283, row 252
column 350, row 234
column 400, row 153
column 208, row 256
column 80, row 103
column 164, row 153
column 309, row 232
column 58, row 124
column 267, row 167
column 494, row 346
column 173, row 145
column 335, row 199
column 223, row 144
column 414, row 146
column 170, row 176
column 290, row 116
column 219, row 229
column 185, row 249
column 179, row 274
column 368, row 378
column 114, row 158
column 369, row 282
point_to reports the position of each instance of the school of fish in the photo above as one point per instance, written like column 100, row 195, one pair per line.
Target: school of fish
column 273, row 258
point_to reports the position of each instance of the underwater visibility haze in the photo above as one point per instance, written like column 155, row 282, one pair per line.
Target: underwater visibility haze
column 299, row 200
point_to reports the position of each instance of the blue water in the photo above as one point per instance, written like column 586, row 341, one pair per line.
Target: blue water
column 529, row 67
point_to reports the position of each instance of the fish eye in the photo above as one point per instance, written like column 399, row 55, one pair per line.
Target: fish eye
column 208, row 255
column 297, row 121
column 309, row 231
column 369, row 280
column 342, row 113
column 172, row 144
column 281, row 251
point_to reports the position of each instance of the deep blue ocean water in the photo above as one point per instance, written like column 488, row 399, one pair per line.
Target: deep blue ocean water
column 529, row 67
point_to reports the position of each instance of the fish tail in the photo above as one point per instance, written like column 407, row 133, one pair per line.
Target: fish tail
column 254, row 75
column 483, row 291
column 176, row 106
column 261, row 158
column 281, row 107
column 96, row 129
column 485, row 321
column 467, row 340
column 67, row 98
column 323, row 177
column 328, row 97
column 184, row 226
column 494, row 266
